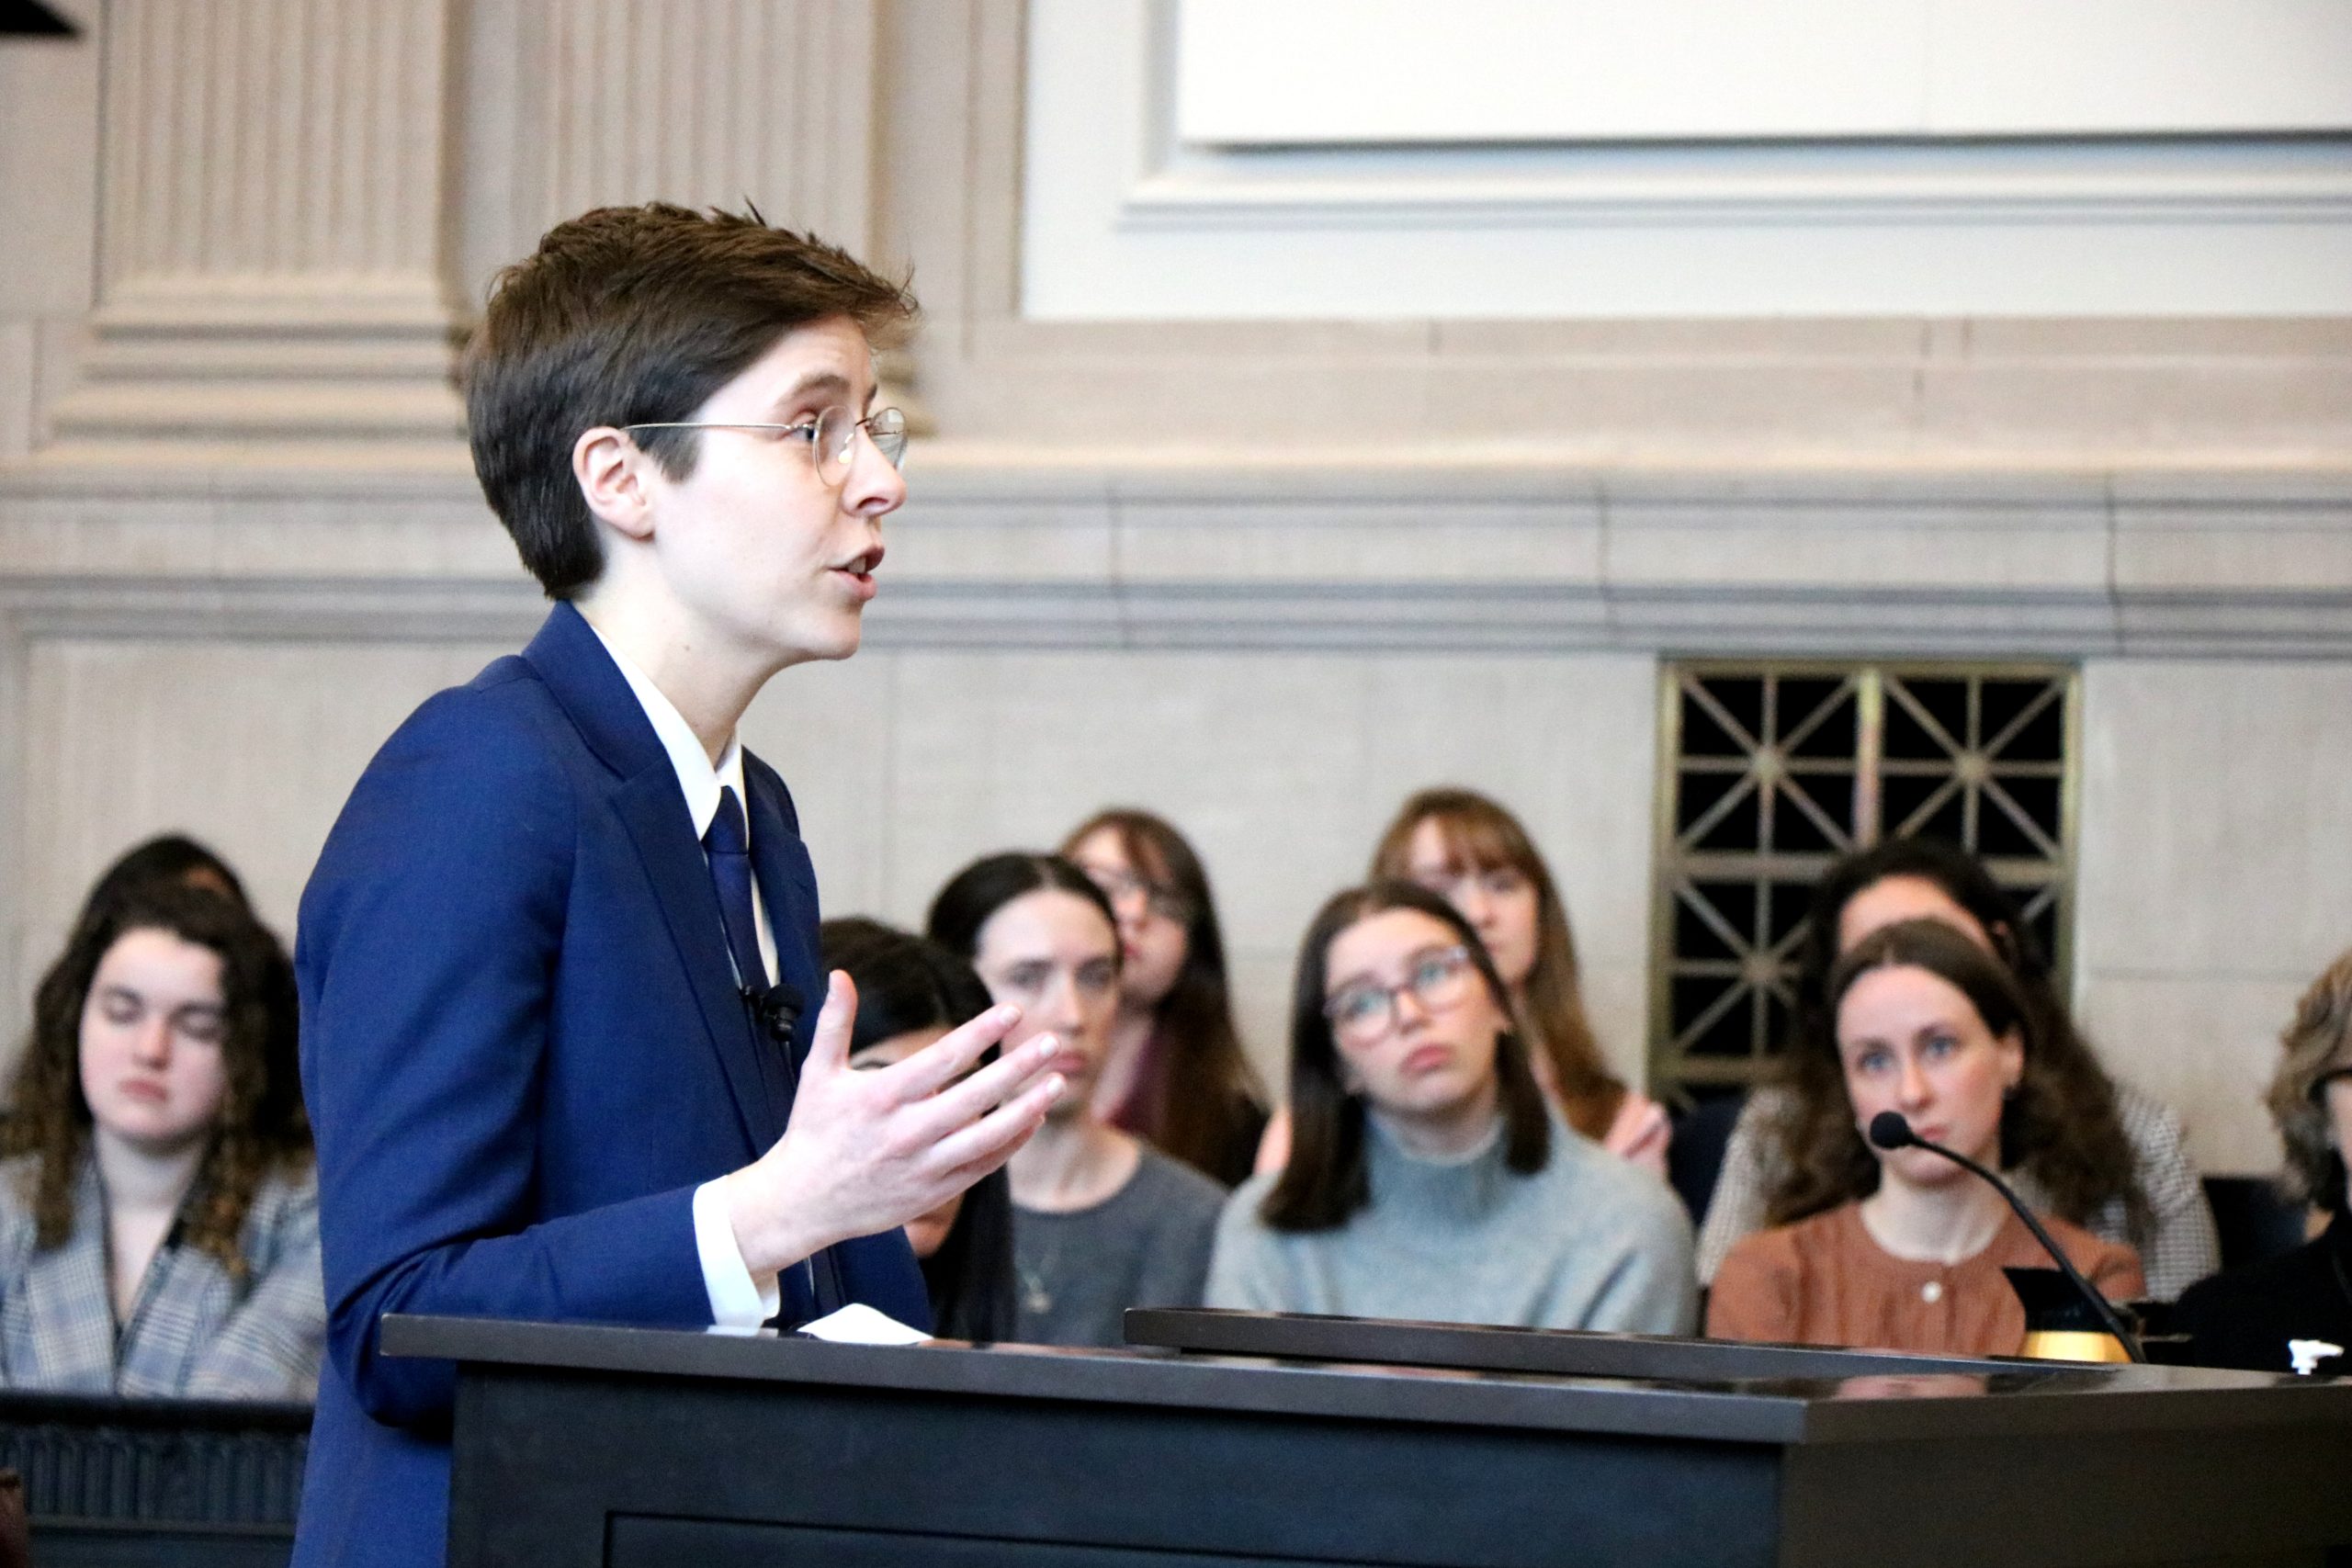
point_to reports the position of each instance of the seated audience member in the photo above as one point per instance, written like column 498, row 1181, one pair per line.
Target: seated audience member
column 2248, row 1316
column 1428, row 1178
column 910, row 992
column 158, row 1206
column 1904, row 1250
column 167, row 857
column 1102, row 1221
column 1174, row 1074
column 1473, row 853
column 2117, row 1164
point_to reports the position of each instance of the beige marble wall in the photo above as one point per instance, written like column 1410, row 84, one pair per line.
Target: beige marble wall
column 248, row 745
column 906, row 764
column 1283, row 768
column 2216, row 876
column 49, row 214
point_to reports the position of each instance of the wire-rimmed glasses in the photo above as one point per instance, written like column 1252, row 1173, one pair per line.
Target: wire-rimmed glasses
column 831, row 436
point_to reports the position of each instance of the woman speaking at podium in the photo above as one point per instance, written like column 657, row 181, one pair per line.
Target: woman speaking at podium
column 1427, row 1178
column 1903, row 1250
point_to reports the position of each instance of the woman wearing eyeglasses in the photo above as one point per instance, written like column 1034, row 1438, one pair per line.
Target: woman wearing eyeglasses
column 1173, row 1073
column 1472, row 852
column 1427, row 1178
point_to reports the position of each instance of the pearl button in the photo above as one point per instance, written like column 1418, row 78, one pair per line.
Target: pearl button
column 1933, row 1290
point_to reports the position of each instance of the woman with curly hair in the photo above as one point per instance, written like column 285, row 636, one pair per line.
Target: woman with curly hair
column 2250, row 1317
column 1174, row 1075
column 2117, row 1164
column 1903, row 1250
column 158, row 1207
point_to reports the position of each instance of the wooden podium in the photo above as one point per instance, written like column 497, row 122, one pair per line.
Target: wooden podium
column 1255, row 1439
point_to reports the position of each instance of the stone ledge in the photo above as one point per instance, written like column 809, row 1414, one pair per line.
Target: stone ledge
column 1093, row 555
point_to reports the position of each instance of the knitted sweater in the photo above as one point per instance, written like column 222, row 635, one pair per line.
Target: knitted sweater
column 1587, row 1242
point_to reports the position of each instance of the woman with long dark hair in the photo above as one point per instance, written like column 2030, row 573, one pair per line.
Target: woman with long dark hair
column 158, row 1204
column 2115, row 1163
column 1174, row 1072
column 1428, row 1177
column 1904, row 1249
column 1102, row 1221
column 910, row 992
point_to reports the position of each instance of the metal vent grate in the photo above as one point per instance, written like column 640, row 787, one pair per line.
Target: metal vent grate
column 1770, row 771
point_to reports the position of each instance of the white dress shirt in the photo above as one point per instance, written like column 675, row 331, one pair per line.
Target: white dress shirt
column 738, row 1299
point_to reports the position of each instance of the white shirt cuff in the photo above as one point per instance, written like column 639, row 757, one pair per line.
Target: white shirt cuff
column 737, row 1299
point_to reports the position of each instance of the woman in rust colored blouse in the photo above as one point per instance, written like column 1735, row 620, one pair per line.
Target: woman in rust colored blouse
column 1930, row 1025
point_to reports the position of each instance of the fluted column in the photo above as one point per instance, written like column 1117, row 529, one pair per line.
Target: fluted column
column 273, row 270
column 704, row 103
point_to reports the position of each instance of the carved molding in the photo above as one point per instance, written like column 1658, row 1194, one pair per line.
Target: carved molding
column 2068, row 565
column 700, row 102
column 272, row 264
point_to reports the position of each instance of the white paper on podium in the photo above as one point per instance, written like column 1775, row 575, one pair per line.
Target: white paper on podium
column 858, row 1323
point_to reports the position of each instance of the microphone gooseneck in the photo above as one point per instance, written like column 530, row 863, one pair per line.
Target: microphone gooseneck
column 1889, row 1130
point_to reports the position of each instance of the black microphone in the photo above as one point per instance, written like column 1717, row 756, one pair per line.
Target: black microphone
column 777, row 1011
column 1890, row 1131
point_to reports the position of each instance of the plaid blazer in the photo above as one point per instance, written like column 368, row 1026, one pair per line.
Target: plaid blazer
column 193, row 1333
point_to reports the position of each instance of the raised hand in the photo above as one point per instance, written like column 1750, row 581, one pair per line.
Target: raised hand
column 866, row 1151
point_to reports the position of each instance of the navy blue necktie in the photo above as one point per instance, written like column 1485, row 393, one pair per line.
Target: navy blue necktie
column 729, row 849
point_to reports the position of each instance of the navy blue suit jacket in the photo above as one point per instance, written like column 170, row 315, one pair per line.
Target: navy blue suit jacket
column 523, row 1049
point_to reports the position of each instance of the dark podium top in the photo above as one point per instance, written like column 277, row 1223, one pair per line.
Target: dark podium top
column 1348, row 1442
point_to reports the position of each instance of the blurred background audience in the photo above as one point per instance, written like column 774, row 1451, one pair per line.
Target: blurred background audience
column 1101, row 1220
column 1173, row 1072
column 910, row 992
column 1903, row 1250
column 158, row 1206
column 1427, row 1176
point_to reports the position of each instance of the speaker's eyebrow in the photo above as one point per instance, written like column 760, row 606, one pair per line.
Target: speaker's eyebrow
column 828, row 382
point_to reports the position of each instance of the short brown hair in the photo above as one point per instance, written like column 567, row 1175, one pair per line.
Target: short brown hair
column 2318, row 1045
column 635, row 315
column 1482, row 836
column 1324, row 1182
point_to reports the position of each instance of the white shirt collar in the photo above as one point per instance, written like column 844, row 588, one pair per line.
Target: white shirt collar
column 697, row 779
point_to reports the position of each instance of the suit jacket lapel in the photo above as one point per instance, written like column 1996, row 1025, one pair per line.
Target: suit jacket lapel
column 596, row 697
column 789, row 887
column 655, row 815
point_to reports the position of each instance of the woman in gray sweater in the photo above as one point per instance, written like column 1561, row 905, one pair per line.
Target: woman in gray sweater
column 1427, row 1178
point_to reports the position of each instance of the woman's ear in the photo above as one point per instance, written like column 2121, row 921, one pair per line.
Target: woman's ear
column 610, row 470
column 2011, row 1046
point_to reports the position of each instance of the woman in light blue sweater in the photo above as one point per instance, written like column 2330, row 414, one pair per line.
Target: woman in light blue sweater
column 1427, row 1180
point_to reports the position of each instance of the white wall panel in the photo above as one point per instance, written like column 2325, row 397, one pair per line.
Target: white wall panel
column 1124, row 219
column 1392, row 70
